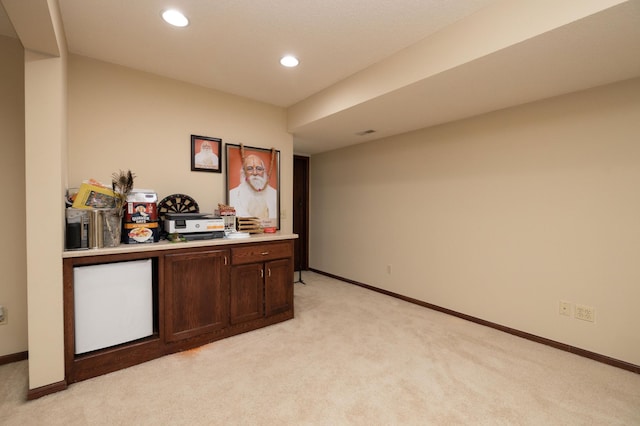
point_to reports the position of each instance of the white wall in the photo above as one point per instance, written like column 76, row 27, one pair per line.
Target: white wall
column 124, row 119
column 117, row 118
column 498, row 216
column 45, row 148
column 13, row 285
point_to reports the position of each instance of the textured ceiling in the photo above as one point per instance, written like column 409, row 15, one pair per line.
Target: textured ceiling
column 234, row 46
column 599, row 49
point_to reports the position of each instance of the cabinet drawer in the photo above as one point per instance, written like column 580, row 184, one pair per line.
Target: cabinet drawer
column 261, row 253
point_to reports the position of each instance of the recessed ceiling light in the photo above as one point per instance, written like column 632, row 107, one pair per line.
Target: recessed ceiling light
column 289, row 61
column 175, row 18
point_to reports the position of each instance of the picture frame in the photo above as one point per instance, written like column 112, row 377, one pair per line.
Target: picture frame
column 258, row 196
column 206, row 154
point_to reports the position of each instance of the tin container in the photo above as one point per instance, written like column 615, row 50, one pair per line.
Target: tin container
column 96, row 229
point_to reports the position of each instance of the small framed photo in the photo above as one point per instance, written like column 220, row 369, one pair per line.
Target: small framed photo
column 253, row 183
column 206, row 154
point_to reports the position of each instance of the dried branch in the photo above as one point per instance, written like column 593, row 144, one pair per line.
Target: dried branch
column 122, row 185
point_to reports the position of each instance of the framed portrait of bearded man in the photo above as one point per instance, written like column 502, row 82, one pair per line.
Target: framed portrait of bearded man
column 253, row 183
column 205, row 154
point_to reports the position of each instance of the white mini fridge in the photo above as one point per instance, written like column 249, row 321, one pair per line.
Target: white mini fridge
column 113, row 304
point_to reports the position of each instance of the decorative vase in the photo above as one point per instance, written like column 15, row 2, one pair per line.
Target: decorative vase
column 112, row 227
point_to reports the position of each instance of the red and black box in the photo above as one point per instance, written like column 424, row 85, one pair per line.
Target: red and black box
column 140, row 233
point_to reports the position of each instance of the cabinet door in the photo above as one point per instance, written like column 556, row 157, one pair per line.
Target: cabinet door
column 278, row 293
column 246, row 293
column 196, row 289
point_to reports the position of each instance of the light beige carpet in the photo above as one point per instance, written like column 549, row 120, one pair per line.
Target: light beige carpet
column 350, row 357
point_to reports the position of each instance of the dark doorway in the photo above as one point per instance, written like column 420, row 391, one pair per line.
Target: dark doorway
column 301, row 211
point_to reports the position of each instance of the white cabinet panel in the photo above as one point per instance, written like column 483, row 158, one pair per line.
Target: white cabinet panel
column 113, row 304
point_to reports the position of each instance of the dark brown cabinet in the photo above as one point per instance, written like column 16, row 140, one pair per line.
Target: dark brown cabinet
column 201, row 293
column 261, row 281
column 246, row 297
column 196, row 287
column 278, row 294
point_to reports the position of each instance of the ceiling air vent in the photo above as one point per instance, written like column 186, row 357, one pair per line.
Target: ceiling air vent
column 365, row 132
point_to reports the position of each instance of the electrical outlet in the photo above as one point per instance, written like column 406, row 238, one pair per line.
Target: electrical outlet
column 585, row 313
column 3, row 315
column 565, row 308
column 389, row 269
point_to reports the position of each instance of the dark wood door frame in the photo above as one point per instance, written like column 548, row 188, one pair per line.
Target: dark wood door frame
column 301, row 211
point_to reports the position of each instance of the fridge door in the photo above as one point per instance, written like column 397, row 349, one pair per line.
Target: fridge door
column 113, row 304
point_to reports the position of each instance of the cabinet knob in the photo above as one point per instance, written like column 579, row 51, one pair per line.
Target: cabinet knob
column 264, row 253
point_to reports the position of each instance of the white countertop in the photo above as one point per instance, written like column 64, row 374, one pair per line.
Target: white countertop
column 166, row 245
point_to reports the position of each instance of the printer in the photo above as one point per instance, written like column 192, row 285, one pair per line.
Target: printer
column 194, row 226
